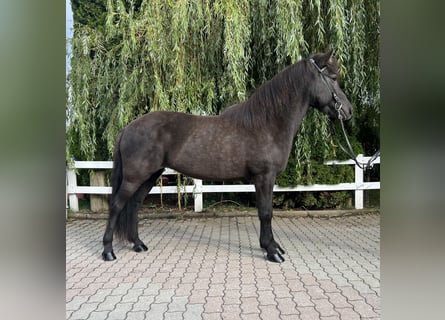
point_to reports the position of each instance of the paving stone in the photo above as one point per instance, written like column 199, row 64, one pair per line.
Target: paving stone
column 132, row 295
column 373, row 300
column 98, row 315
column 201, row 283
column 76, row 302
column 211, row 316
column 289, row 317
column 250, row 305
column 340, row 280
column 184, row 289
column 249, row 290
column 328, row 286
column 213, row 304
column 250, row 316
column 248, row 278
column 266, row 297
column 232, row 296
column 71, row 293
column 178, row 304
column 338, row 300
column 364, row 309
column 233, row 284
column 143, row 303
column 296, row 285
column 84, row 311
column 198, row 296
column 308, row 313
column 165, row 296
column 315, row 292
column 156, row 311
column 371, row 281
column 172, row 316
column 109, row 303
column 218, row 277
column 320, row 275
column 269, row 312
column 351, row 294
column 264, row 284
column 189, row 277
column 91, row 289
column 302, row 299
column 231, row 312
column 193, row 312
column 287, row 306
column 348, row 313
column 120, row 311
column 160, row 277
column 324, row 307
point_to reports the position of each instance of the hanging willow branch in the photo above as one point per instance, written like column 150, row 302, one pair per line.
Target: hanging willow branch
column 289, row 25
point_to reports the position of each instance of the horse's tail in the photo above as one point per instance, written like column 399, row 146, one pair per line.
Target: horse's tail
column 123, row 220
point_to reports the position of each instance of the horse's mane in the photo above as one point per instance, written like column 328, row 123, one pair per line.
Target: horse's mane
column 267, row 102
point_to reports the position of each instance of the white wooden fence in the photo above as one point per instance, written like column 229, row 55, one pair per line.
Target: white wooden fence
column 198, row 189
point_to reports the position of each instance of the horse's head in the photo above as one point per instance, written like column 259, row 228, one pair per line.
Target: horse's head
column 326, row 93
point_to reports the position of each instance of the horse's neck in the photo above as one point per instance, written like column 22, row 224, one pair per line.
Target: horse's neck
column 300, row 114
column 295, row 106
column 292, row 120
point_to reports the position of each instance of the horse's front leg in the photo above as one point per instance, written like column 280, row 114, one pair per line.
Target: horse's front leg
column 264, row 193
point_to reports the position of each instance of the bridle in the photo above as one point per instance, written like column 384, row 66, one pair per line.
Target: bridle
column 337, row 104
column 338, row 107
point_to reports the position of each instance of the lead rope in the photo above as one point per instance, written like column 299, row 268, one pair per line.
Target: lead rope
column 351, row 154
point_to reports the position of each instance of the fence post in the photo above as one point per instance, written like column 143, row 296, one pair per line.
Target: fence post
column 358, row 184
column 197, row 193
column 72, row 184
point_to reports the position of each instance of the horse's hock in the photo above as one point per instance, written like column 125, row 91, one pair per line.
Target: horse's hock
column 98, row 202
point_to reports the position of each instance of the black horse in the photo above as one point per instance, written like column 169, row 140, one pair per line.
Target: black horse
column 250, row 140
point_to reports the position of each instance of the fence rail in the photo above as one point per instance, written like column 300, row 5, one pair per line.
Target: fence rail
column 198, row 189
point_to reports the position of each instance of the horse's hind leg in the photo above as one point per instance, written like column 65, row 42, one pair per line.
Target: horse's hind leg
column 135, row 204
column 123, row 215
column 118, row 206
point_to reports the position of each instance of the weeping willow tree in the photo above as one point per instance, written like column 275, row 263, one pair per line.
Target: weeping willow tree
column 201, row 56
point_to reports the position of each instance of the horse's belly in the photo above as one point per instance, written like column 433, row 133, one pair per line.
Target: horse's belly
column 209, row 161
column 204, row 166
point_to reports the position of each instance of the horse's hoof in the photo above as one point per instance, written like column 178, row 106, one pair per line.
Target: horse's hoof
column 275, row 257
column 140, row 247
column 273, row 244
column 108, row 256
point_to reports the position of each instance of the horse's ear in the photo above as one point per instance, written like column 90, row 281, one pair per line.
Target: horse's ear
column 330, row 54
column 323, row 59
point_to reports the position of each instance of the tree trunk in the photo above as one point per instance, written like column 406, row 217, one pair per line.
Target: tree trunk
column 98, row 202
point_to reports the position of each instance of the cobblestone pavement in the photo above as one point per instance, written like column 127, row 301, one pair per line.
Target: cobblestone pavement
column 213, row 268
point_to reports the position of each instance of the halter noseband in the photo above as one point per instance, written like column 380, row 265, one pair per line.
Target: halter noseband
column 338, row 105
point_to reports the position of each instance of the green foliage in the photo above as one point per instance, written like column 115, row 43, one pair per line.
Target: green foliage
column 91, row 13
column 201, row 56
column 301, row 171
